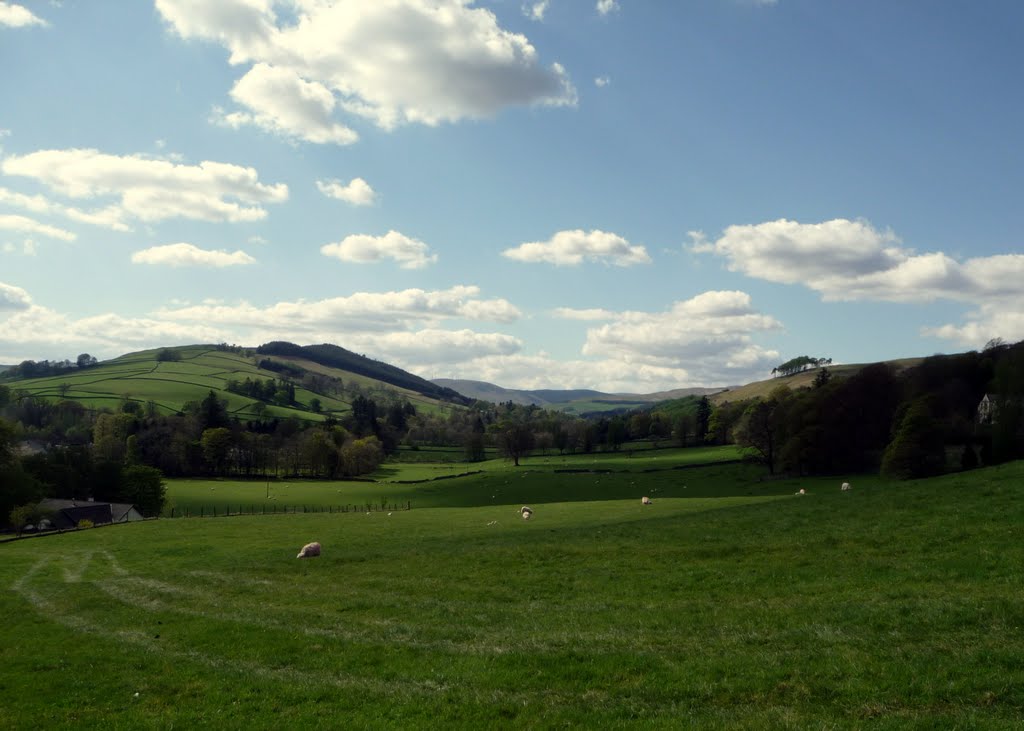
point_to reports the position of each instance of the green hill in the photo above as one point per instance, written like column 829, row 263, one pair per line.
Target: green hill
column 168, row 378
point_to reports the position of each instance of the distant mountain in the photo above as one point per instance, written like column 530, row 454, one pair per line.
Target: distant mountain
column 573, row 400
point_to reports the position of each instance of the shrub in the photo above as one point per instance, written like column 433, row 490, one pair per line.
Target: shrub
column 85, row 523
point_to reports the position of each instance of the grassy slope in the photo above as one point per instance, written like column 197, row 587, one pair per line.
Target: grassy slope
column 140, row 377
column 761, row 389
column 891, row 606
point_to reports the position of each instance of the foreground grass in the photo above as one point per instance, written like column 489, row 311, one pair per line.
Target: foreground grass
column 891, row 606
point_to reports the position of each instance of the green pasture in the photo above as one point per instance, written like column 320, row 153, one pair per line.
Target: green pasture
column 667, row 473
column 738, row 605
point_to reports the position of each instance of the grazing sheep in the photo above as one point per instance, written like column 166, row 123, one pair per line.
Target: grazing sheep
column 526, row 512
column 845, row 486
column 800, row 492
column 645, row 500
column 309, row 550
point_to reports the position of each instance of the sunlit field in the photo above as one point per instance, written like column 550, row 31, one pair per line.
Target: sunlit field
column 727, row 603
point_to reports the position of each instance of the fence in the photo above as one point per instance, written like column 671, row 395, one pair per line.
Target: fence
column 275, row 509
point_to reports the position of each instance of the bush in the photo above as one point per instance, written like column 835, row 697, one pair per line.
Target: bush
column 85, row 523
column 168, row 355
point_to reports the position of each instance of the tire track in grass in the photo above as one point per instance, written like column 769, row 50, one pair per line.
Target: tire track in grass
column 142, row 640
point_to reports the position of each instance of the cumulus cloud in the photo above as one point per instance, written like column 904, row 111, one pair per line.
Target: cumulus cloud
column 364, row 249
column 108, row 217
column 404, row 328
column 994, row 320
column 710, row 333
column 13, row 298
column 184, row 255
column 149, row 189
column 23, row 224
column 13, row 15
column 393, row 62
column 357, row 191
column 570, row 248
column 282, row 103
column 359, row 312
column 602, row 81
column 852, row 260
column 607, row 6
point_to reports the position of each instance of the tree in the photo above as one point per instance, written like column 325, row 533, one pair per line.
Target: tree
column 144, row 487
column 216, row 445
column 703, row 418
column 85, row 361
column 822, row 377
column 761, row 429
column 515, row 439
column 917, row 449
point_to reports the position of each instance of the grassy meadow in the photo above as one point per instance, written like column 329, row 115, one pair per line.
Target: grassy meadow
column 728, row 603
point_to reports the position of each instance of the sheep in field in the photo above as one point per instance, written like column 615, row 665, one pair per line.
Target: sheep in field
column 845, row 486
column 645, row 500
column 526, row 512
column 801, row 491
column 309, row 550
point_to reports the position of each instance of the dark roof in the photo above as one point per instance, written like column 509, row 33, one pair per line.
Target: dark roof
column 68, row 513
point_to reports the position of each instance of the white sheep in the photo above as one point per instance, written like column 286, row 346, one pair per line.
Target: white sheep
column 801, row 491
column 645, row 500
column 526, row 512
column 845, row 486
column 309, row 550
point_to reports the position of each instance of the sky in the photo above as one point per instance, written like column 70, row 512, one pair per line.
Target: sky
column 624, row 195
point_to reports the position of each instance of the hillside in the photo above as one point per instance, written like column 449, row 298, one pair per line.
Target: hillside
column 191, row 372
column 572, row 401
column 804, row 379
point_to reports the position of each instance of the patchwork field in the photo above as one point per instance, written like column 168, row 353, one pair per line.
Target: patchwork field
column 140, row 377
column 735, row 605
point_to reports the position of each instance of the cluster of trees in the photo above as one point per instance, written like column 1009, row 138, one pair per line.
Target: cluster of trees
column 799, row 364
column 268, row 390
column 45, row 368
column 916, row 423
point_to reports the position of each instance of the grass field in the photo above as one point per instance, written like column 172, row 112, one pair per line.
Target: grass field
column 735, row 605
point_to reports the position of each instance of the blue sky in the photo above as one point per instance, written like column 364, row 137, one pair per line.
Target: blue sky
column 628, row 196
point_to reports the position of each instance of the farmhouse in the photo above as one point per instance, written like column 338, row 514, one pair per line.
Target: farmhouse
column 988, row 407
column 68, row 513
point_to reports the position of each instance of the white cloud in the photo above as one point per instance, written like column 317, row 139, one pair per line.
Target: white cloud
column 427, row 348
column 569, row 313
column 13, row 15
column 391, row 61
column 182, row 254
column 851, row 260
column 570, row 248
column 364, row 249
column 23, row 224
column 359, row 312
column 994, row 320
column 150, row 189
column 535, row 10
column 607, row 6
column 602, row 81
column 357, row 191
column 282, row 103
column 711, row 333
column 13, row 298
column 398, row 327
column 109, row 217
